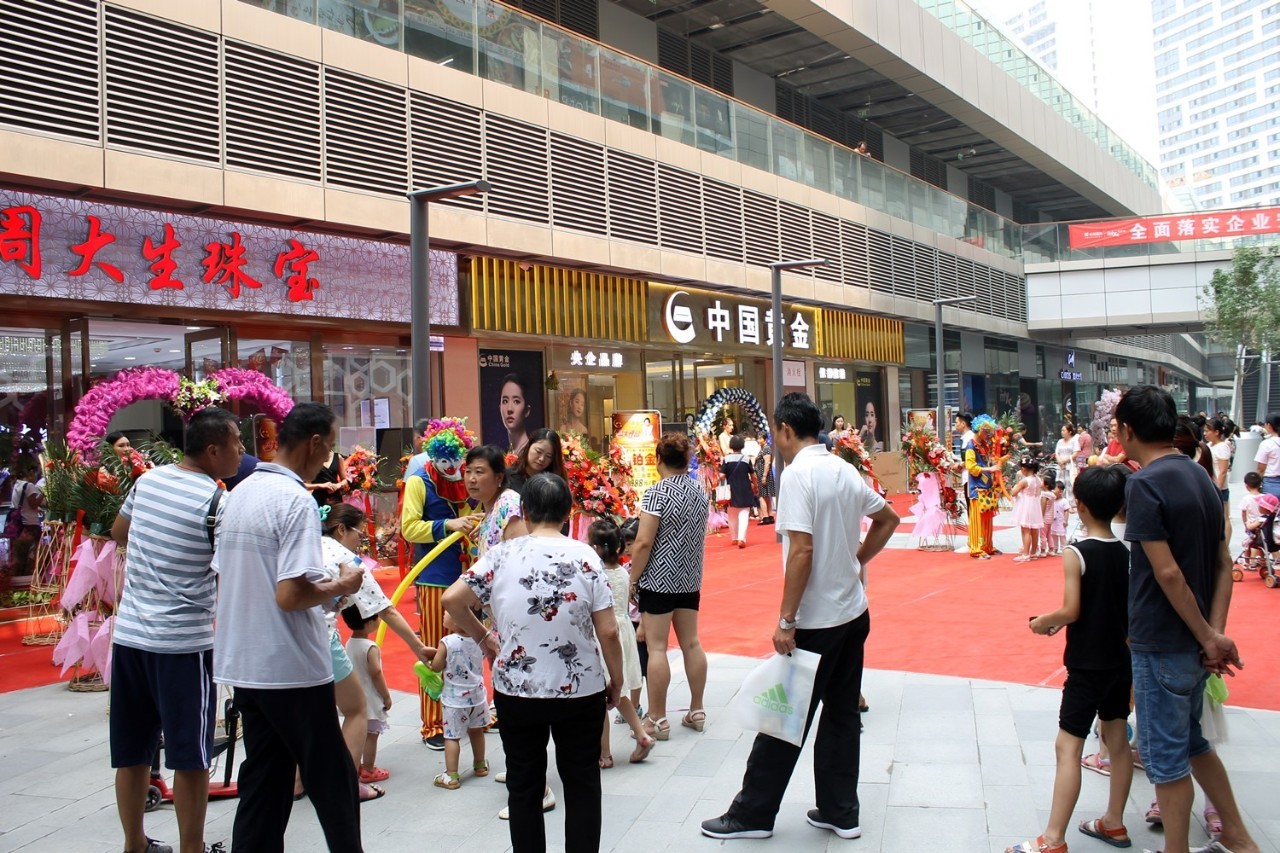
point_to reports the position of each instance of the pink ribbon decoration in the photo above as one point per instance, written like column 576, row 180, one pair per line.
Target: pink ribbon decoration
column 930, row 519
column 83, row 576
column 105, row 568
column 74, row 645
column 98, row 655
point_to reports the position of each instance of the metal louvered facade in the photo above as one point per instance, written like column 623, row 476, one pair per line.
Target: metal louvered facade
column 99, row 73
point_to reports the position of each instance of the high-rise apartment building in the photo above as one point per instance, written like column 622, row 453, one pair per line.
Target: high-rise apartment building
column 1217, row 66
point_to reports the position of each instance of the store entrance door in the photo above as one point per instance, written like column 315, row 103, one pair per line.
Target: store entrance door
column 209, row 350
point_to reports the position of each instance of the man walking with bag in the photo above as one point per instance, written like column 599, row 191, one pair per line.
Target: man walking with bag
column 821, row 502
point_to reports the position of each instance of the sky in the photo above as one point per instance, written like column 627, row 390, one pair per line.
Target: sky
column 1121, row 71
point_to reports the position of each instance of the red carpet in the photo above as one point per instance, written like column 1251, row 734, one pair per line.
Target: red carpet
column 933, row 613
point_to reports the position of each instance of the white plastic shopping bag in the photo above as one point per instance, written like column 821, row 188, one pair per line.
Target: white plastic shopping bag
column 774, row 697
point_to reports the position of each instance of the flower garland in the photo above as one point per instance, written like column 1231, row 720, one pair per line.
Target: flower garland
column 851, row 449
column 252, row 386
column 100, row 403
column 95, row 409
column 733, row 396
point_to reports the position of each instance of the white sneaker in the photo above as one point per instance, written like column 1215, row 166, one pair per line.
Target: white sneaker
column 548, row 803
column 501, row 777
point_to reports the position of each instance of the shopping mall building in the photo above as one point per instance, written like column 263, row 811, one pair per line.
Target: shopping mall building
column 211, row 182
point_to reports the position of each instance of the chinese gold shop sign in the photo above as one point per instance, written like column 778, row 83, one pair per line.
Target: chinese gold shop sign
column 726, row 321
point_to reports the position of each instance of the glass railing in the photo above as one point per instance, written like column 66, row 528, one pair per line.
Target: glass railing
column 499, row 43
column 1050, row 243
column 957, row 16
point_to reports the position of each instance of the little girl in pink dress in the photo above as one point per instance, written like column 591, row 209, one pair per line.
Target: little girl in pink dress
column 1027, row 512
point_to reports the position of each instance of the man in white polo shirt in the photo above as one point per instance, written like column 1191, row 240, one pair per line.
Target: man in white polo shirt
column 1268, row 456
column 821, row 503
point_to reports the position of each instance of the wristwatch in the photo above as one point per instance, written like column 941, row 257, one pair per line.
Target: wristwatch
column 786, row 624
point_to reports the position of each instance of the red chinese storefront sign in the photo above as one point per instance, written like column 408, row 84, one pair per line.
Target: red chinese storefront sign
column 72, row 248
column 1182, row 226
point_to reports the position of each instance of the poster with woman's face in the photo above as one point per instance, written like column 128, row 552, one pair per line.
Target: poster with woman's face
column 869, row 394
column 511, row 398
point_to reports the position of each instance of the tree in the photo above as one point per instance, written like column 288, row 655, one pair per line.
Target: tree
column 1244, row 309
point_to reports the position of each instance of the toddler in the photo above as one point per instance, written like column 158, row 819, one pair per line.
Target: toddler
column 627, row 530
column 604, row 537
column 1046, row 512
column 1027, row 513
column 1251, row 516
column 1061, row 511
column 366, row 664
column 466, row 704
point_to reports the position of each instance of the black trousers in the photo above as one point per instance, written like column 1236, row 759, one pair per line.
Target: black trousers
column 283, row 730
column 575, row 725
column 837, row 750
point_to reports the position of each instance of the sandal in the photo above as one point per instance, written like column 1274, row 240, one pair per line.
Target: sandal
column 378, row 793
column 1095, row 762
column 375, row 774
column 1037, row 846
column 658, row 729
column 480, row 768
column 695, row 720
column 863, row 707
column 643, row 748
column 1118, row 837
column 1212, row 822
column 606, row 761
column 448, row 780
column 1153, row 814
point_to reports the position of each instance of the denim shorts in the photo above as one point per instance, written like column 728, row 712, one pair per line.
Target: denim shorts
column 1168, row 692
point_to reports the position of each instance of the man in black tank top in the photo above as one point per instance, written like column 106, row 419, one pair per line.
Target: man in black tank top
column 1095, row 612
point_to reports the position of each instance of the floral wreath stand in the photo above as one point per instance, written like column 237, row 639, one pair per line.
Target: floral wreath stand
column 86, row 612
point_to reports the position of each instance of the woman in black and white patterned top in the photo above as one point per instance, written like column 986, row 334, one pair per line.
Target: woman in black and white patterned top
column 666, row 578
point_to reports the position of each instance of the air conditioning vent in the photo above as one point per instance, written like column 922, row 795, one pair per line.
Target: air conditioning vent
column 366, row 127
column 518, row 169
column 162, row 87
column 853, row 245
column 797, row 231
column 826, row 244
column 926, row 272
column 904, row 268
column 880, row 260
column 760, row 228
column 948, row 281
column 49, row 53
column 633, row 197
column 447, row 146
column 680, row 209
column 723, row 213
column 272, row 112
column 578, row 196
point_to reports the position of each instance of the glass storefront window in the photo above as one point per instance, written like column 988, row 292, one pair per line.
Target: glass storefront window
column 591, row 389
column 368, row 388
column 624, row 88
column 714, row 131
column 860, row 400
column 510, row 47
column 678, row 385
column 569, row 72
column 673, row 107
column 442, row 31
column 752, row 133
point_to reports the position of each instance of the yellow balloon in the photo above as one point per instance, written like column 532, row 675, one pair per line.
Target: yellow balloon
column 413, row 575
column 1093, row 460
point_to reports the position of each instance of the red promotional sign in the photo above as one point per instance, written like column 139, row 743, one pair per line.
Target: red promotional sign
column 1180, row 226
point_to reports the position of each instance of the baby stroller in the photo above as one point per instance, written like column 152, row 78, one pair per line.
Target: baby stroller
column 1263, row 539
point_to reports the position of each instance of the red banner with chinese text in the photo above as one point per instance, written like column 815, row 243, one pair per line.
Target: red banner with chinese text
column 1180, row 226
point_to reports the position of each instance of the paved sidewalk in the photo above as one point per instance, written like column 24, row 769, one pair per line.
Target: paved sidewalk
column 948, row 764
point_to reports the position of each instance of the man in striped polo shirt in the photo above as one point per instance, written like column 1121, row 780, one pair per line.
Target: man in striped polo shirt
column 161, row 664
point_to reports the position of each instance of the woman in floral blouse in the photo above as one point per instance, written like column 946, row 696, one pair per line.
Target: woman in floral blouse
column 551, row 602
column 485, row 473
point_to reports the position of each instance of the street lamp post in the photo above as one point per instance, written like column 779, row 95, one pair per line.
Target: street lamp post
column 779, row 326
column 940, row 355
column 420, row 288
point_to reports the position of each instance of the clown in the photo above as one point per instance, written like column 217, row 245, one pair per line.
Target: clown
column 436, row 505
column 982, row 466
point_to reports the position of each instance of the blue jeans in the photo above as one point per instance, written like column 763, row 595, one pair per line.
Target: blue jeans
column 1271, row 486
column 1168, row 690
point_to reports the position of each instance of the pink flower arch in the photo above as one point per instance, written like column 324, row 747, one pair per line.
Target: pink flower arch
column 94, row 411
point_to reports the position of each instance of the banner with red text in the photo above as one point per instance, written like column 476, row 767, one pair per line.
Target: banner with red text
column 1182, row 226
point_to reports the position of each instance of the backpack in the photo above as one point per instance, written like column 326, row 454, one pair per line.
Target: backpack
column 13, row 523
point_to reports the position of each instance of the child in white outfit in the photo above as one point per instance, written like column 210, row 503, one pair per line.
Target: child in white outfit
column 366, row 664
column 466, row 704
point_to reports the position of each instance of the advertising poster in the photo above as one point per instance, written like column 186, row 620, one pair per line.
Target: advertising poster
column 512, row 404
column 637, row 434
column 869, row 396
column 929, row 418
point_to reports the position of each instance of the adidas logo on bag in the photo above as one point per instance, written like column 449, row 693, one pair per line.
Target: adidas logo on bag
column 774, row 699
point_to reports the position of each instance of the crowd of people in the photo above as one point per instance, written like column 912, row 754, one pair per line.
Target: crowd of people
column 574, row 630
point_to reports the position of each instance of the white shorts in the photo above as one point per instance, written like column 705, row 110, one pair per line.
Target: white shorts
column 458, row 721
